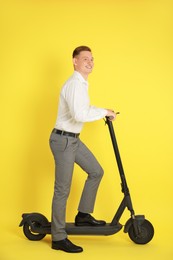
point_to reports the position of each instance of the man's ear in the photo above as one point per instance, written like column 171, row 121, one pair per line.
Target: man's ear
column 74, row 61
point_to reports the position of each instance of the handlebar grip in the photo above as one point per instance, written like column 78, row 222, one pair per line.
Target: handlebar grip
column 111, row 117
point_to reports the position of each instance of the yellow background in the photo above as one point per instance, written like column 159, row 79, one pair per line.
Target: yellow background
column 132, row 46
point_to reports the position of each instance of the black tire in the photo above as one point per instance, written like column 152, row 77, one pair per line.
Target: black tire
column 38, row 220
column 146, row 233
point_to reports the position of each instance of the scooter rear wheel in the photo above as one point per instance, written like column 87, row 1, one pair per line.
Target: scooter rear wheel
column 146, row 233
column 34, row 220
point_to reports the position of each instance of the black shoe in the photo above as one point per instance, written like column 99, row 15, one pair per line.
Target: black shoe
column 88, row 221
column 67, row 246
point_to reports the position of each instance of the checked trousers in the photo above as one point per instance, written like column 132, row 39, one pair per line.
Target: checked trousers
column 67, row 151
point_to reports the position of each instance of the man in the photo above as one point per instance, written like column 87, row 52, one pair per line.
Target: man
column 67, row 148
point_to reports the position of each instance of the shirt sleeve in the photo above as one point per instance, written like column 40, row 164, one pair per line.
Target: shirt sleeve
column 79, row 104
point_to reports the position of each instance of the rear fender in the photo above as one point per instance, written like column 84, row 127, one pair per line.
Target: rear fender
column 29, row 217
column 25, row 218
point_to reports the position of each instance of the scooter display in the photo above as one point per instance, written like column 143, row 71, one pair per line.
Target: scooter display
column 139, row 229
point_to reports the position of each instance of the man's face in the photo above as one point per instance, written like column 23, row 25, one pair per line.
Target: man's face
column 84, row 63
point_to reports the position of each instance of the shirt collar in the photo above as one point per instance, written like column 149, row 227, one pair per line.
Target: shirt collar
column 79, row 76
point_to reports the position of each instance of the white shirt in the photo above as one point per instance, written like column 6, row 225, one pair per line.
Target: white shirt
column 74, row 105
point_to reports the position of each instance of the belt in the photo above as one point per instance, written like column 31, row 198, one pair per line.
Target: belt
column 60, row 132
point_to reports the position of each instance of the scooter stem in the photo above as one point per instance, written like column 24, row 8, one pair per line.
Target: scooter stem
column 125, row 189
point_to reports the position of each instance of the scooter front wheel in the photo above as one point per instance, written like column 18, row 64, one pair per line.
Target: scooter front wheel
column 35, row 220
column 145, row 233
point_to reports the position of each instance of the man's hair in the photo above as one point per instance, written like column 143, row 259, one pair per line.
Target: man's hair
column 79, row 49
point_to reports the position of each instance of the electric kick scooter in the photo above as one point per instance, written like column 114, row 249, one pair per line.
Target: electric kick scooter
column 139, row 229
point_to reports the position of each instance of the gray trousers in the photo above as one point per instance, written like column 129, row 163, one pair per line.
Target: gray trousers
column 66, row 152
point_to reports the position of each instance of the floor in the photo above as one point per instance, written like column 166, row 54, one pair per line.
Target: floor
column 15, row 246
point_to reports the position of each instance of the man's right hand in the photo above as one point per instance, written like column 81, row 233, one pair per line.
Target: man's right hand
column 111, row 114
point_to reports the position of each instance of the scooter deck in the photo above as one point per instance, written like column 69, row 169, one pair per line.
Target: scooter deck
column 72, row 229
column 92, row 230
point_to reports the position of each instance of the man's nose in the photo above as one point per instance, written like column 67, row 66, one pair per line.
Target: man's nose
column 90, row 62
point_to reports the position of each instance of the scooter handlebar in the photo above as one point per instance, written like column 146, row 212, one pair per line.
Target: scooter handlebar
column 110, row 118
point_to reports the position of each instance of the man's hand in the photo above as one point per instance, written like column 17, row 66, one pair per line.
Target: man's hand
column 111, row 114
